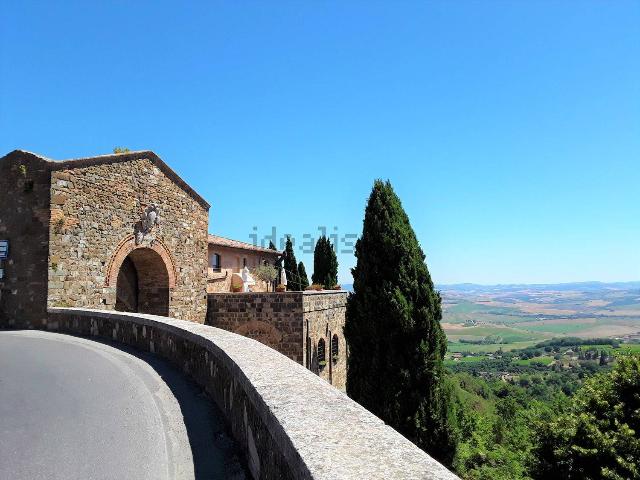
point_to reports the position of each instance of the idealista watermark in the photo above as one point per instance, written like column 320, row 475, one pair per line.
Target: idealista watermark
column 343, row 243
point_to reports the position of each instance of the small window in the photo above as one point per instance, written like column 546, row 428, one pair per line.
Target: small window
column 215, row 262
column 322, row 362
column 334, row 349
column 244, row 262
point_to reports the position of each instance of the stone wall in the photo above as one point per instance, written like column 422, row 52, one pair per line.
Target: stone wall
column 24, row 221
column 290, row 423
column 324, row 317
column 275, row 319
column 95, row 207
column 292, row 323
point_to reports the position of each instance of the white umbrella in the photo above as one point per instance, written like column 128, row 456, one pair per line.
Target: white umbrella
column 283, row 277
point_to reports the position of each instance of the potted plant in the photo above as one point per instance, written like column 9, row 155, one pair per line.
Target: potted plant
column 317, row 287
column 236, row 287
column 336, row 287
column 281, row 288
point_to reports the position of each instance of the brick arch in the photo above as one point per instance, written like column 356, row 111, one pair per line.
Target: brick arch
column 128, row 245
column 262, row 331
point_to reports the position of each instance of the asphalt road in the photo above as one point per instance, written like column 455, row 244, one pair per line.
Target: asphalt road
column 72, row 408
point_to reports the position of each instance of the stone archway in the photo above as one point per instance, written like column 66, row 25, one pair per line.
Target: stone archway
column 127, row 287
column 143, row 283
column 142, row 277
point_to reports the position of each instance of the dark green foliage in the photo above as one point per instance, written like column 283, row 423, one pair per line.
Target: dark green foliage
column 291, row 267
column 546, row 422
column 393, row 330
column 598, row 436
column 573, row 341
column 277, row 264
column 302, row 275
column 494, row 424
column 325, row 264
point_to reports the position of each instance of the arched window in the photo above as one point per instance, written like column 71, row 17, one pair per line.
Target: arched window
column 334, row 348
column 322, row 361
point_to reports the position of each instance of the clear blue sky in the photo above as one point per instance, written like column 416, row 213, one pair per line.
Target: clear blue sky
column 510, row 130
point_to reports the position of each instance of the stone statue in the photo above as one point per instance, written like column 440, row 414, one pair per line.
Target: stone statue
column 150, row 218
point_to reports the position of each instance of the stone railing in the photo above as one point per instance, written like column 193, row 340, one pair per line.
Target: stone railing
column 290, row 423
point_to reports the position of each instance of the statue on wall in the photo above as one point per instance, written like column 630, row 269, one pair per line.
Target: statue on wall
column 150, row 218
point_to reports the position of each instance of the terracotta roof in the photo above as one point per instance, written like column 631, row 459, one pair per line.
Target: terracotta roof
column 229, row 243
column 123, row 157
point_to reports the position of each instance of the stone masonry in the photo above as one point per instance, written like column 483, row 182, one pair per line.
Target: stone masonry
column 289, row 423
column 87, row 217
column 294, row 323
column 24, row 222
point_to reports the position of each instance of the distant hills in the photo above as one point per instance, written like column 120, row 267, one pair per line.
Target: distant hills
column 515, row 287
column 557, row 287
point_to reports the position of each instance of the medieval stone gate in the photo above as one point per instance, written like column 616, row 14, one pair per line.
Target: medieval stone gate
column 120, row 231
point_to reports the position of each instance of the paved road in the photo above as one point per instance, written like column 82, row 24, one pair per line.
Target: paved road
column 72, row 408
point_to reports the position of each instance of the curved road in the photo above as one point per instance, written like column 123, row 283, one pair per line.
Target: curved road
column 72, row 408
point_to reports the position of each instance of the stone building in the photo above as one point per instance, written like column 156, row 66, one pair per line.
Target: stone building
column 305, row 326
column 228, row 257
column 120, row 231
column 124, row 232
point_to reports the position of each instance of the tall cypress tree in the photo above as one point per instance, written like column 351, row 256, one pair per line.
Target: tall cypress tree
column 396, row 343
column 302, row 276
column 291, row 267
column 325, row 263
column 277, row 264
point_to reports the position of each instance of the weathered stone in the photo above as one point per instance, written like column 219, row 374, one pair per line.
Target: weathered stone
column 83, row 227
column 59, row 199
column 290, row 423
column 293, row 323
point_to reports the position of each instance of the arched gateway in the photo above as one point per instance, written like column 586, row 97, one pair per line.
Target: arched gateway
column 143, row 276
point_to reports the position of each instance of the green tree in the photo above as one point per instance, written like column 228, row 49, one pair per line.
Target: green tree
column 266, row 273
column 291, row 267
column 302, row 275
column 277, row 263
column 598, row 436
column 396, row 343
column 325, row 263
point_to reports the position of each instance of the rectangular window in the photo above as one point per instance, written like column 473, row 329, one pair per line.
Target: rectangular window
column 215, row 262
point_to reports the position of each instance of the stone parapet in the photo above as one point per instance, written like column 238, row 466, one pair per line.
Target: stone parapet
column 289, row 422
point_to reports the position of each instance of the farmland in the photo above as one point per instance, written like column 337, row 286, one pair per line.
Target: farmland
column 507, row 317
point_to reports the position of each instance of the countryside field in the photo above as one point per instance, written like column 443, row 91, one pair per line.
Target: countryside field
column 486, row 318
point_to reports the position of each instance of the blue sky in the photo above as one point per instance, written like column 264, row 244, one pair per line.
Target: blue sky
column 510, row 130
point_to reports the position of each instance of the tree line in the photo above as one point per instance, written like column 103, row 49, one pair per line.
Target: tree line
column 325, row 266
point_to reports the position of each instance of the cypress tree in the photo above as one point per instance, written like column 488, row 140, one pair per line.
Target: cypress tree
column 325, row 263
column 291, row 267
column 277, row 264
column 302, row 276
column 396, row 343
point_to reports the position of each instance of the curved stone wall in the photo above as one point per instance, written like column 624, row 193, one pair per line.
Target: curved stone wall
column 291, row 423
